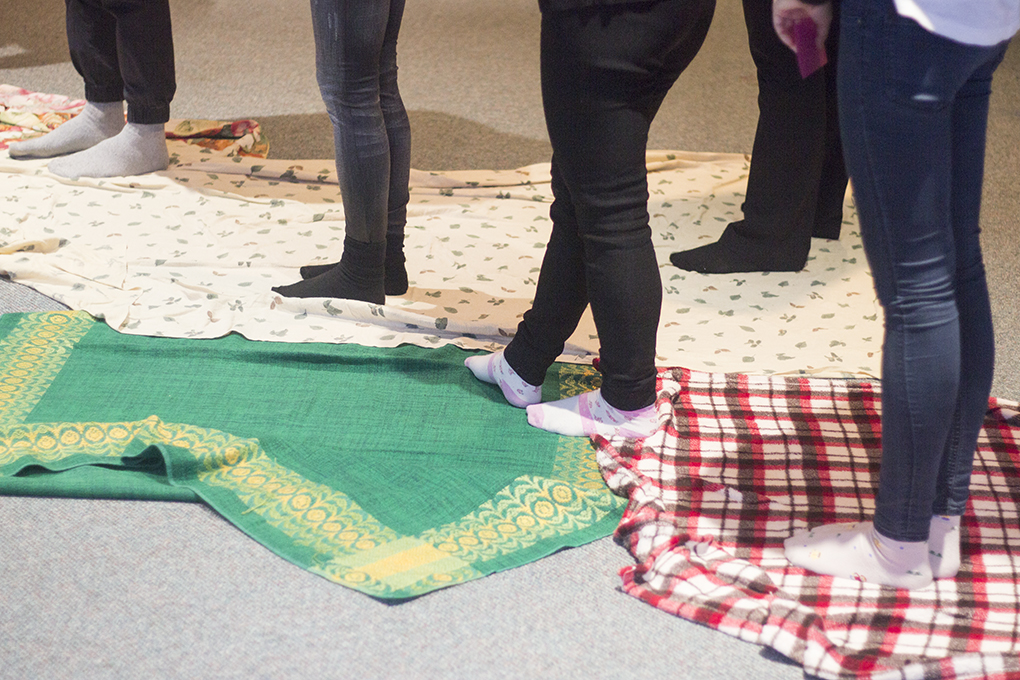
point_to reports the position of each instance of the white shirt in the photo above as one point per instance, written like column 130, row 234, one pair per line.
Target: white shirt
column 973, row 22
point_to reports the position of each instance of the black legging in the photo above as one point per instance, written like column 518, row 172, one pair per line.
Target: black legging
column 605, row 71
column 124, row 50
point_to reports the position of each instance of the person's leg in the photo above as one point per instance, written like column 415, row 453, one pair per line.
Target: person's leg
column 561, row 297
column 349, row 41
column 910, row 253
column 145, row 46
column 977, row 341
column 142, row 49
column 793, row 146
column 897, row 85
column 605, row 73
column 833, row 181
column 398, row 132
column 92, row 41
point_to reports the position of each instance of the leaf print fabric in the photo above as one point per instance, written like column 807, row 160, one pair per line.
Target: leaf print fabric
column 194, row 251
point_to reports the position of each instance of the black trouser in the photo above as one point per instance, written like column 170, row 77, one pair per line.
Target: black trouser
column 605, row 72
column 124, row 50
column 797, row 180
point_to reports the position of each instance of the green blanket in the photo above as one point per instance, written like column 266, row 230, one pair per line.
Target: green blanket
column 391, row 471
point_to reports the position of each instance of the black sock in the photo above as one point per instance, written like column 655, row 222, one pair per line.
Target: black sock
column 358, row 276
column 396, row 272
column 733, row 253
column 828, row 228
column 310, row 271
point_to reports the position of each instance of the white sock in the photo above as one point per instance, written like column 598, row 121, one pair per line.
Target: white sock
column 95, row 123
column 944, row 545
column 588, row 414
column 859, row 552
column 136, row 150
column 495, row 370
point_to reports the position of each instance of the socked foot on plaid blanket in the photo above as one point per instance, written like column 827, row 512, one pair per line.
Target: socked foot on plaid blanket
column 859, row 552
column 740, row 463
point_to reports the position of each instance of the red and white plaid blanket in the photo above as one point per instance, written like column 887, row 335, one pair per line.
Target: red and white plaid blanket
column 743, row 461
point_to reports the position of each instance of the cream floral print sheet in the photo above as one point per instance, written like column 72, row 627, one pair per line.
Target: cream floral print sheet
column 194, row 251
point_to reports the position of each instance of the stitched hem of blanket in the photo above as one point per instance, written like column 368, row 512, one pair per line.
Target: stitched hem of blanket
column 741, row 462
column 309, row 524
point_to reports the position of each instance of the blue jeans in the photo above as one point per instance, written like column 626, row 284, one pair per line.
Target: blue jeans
column 913, row 112
column 356, row 68
column 605, row 71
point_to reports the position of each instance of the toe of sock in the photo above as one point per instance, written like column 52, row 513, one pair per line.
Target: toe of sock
column 701, row 260
column 535, row 416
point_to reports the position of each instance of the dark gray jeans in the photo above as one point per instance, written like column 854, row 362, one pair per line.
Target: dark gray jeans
column 356, row 68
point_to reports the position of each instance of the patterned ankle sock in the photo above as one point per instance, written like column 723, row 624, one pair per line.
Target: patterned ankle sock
column 136, row 150
column 944, row 545
column 859, row 552
column 494, row 369
column 95, row 123
column 588, row 414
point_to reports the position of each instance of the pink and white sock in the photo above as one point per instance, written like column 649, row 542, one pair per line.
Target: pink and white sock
column 859, row 552
column 495, row 370
column 944, row 545
column 588, row 414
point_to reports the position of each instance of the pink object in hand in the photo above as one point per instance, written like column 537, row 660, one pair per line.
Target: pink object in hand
column 809, row 57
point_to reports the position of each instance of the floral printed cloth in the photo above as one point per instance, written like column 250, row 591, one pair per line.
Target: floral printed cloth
column 195, row 250
column 24, row 113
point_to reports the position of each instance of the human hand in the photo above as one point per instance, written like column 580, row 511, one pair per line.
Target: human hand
column 787, row 13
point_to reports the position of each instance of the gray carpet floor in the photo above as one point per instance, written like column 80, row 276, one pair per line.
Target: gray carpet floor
column 120, row 589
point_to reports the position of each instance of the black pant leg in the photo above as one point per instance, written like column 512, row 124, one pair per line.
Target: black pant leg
column 796, row 179
column 833, row 182
column 561, row 295
column 604, row 74
column 145, row 52
column 92, row 41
